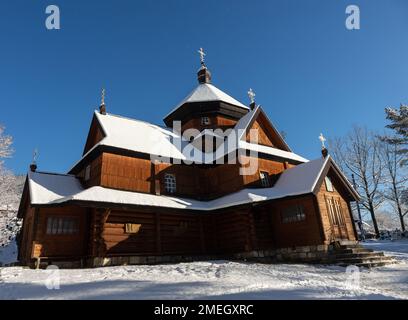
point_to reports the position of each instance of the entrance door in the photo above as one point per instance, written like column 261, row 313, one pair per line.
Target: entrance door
column 336, row 217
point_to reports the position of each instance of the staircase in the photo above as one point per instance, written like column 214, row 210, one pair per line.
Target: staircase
column 347, row 253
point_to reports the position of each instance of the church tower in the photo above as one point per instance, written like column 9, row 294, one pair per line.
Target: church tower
column 206, row 107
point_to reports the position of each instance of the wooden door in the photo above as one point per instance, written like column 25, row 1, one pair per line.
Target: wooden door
column 336, row 217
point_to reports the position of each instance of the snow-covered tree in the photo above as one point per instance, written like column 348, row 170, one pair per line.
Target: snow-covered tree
column 10, row 192
column 358, row 153
column 5, row 145
column 387, row 220
column 399, row 123
column 396, row 178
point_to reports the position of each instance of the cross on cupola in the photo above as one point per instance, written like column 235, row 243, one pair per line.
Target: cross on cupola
column 33, row 165
column 202, row 55
column 251, row 95
column 102, row 107
column 322, row 139
column 203, row 74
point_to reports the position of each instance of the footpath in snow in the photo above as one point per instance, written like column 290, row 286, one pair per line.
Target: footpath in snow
column 214, row 280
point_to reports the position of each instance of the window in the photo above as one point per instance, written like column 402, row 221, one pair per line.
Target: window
column 335, row 211
column 87, row 172
column 293, row 214
column 205, row 121
column 329, row 185
column 132, row 228
column 264, row 179
column 62, row 225
column 170, row 183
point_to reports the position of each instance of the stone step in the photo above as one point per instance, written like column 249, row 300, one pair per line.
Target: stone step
column 371, row 264
column 347, row 242
column 349, row 246
column 372, row 260
column 358, row 255
column 353, row 250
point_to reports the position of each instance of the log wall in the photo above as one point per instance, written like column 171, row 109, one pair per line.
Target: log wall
column 330, row 231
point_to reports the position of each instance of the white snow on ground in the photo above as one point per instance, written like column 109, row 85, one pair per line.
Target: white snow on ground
column 215, row 280
column 8, row 254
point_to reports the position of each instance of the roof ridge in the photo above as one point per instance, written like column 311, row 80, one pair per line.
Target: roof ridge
column 212, row 88
column 55, row 173
column 133, row 119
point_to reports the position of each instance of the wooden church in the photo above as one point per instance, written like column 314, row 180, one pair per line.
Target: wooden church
column 145, row 193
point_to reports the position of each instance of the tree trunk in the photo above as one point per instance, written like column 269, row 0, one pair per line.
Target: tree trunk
column 401, row 218
column 374, row 219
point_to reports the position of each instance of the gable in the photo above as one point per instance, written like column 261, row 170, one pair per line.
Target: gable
column 95, row 135
column 341, row 186
column 267, row 134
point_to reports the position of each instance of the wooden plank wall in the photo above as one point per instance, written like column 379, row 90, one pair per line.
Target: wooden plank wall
column 103, row 233
column 95, row 135
column 218, row 121
column 338, row 193
column 263, row 137
column 234, row 232
column 270, row 166
column 27, row 236
column 126, row 173
column 302, row 233
column 96, row 173
column 262, row 220
column 177, row 233
column 141, row 175
column 61, row 245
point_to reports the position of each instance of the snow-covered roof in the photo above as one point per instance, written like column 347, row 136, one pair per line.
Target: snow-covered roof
column 139, row 136
column 144, row 137
column 47, row 189
column 208, row 92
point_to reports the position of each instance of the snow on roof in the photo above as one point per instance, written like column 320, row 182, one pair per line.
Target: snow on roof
column 47, row 187
column 139, row 136
column 239, row 132
column 144, row 137
column 53, row 189
column 208, row 92
column 271, row 151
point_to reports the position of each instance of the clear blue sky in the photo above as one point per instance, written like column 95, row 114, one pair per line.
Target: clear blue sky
column 309, row 72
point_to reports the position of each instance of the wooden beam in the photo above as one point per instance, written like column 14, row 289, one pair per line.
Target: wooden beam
column 158, row 233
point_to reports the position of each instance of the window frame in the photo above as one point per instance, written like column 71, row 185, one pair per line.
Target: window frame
column 298, row 217
column 170, row 186
column 132, row 228
column 57, row 226
column 329, row 184
column 265, row 181
column 205, row 121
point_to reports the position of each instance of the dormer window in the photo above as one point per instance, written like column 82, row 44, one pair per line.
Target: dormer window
column 264, row 177
column 205, row 121
column 170, row 183
column 87, row 173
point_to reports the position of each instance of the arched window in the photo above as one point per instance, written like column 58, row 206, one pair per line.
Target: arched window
column 170, row 183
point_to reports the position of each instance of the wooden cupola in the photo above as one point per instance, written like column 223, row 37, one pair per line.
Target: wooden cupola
column 206, row 106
